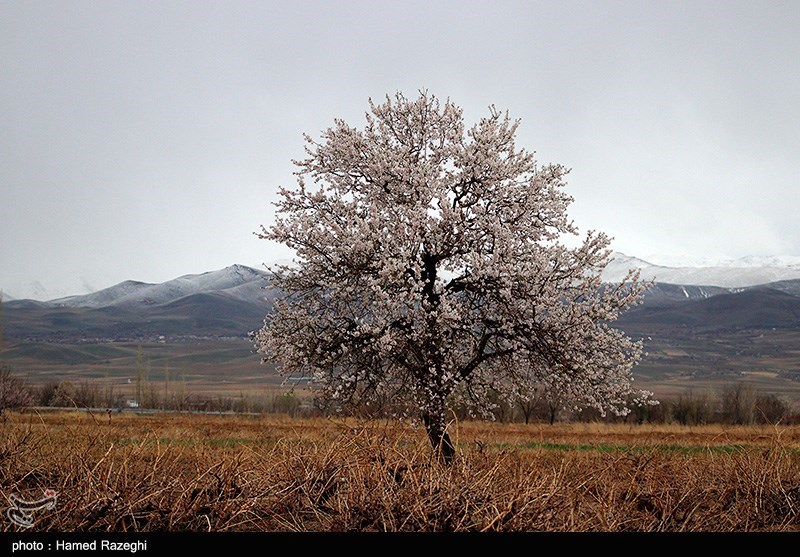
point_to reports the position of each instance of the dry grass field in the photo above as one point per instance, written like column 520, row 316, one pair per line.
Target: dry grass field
column 124, row 472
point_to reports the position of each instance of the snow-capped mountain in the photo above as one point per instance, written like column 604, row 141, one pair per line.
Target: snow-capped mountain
column 229, row 302
column 233, row 301
column 620, row 264
column 244, row 283
column 237, row 281
column 737, row 273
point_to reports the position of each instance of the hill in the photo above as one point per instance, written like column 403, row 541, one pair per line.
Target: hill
column 740, row 273
column 239, row 281
column 756, row 308
column 695, row 335
column 230, row 302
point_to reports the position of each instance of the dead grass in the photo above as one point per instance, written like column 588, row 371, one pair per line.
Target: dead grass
column 177, row 473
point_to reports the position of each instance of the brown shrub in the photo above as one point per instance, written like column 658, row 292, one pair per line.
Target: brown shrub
column 120, row 472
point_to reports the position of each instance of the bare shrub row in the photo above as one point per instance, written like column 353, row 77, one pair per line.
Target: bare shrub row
column 169, row 473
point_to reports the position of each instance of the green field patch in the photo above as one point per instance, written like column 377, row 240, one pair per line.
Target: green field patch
column 223, row 442
column 64, row 354
column 604, row 448
column 230, row 442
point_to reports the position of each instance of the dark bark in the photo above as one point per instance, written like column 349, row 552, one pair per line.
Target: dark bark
column 440, row 440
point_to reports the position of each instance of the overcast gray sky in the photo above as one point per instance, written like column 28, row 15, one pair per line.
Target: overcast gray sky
column 145, row 140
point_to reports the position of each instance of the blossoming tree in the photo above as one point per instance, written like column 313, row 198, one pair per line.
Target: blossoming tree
column 429, row 264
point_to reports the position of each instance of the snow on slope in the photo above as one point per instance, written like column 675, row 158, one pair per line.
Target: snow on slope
column 748, row 261
column 132, row 293
column 106, row 297
column 620, row 264
column 763, row 261
column 247, row 284
column 739, row 273
column 250, row 291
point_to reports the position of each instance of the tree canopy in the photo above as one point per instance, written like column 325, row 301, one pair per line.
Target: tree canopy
column 430, row 263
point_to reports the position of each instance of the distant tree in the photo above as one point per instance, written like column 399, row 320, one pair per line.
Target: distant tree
column 527, row 406
column 429, row 261
column 739, row 403
column 14, row 392
column 46, row 393
column 64, row 395
column 86, row 394
column 769, row 409
column 692, row 409
column 287, row 403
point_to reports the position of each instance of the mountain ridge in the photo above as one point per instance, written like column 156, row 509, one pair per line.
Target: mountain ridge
column 228, row 302
column 746, row 274
column 233, row 301
column 131, row 293
column 753, row 308
column 725, row 273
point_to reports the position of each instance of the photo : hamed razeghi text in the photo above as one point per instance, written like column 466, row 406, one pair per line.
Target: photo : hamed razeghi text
column 94, row 545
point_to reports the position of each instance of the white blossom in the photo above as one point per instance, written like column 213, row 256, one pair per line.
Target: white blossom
column 429, row 261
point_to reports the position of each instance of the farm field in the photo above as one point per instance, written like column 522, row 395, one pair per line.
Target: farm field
column 125, row 472
column 674, row 364
column 212, row 367
column 119, row 360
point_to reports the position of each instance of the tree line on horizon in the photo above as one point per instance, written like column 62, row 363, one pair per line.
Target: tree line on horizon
column 735, row 404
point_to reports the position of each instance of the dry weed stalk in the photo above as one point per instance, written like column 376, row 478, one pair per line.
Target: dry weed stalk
column 137, row 473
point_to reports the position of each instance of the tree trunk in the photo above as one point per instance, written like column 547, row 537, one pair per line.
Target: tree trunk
column 437, row 433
